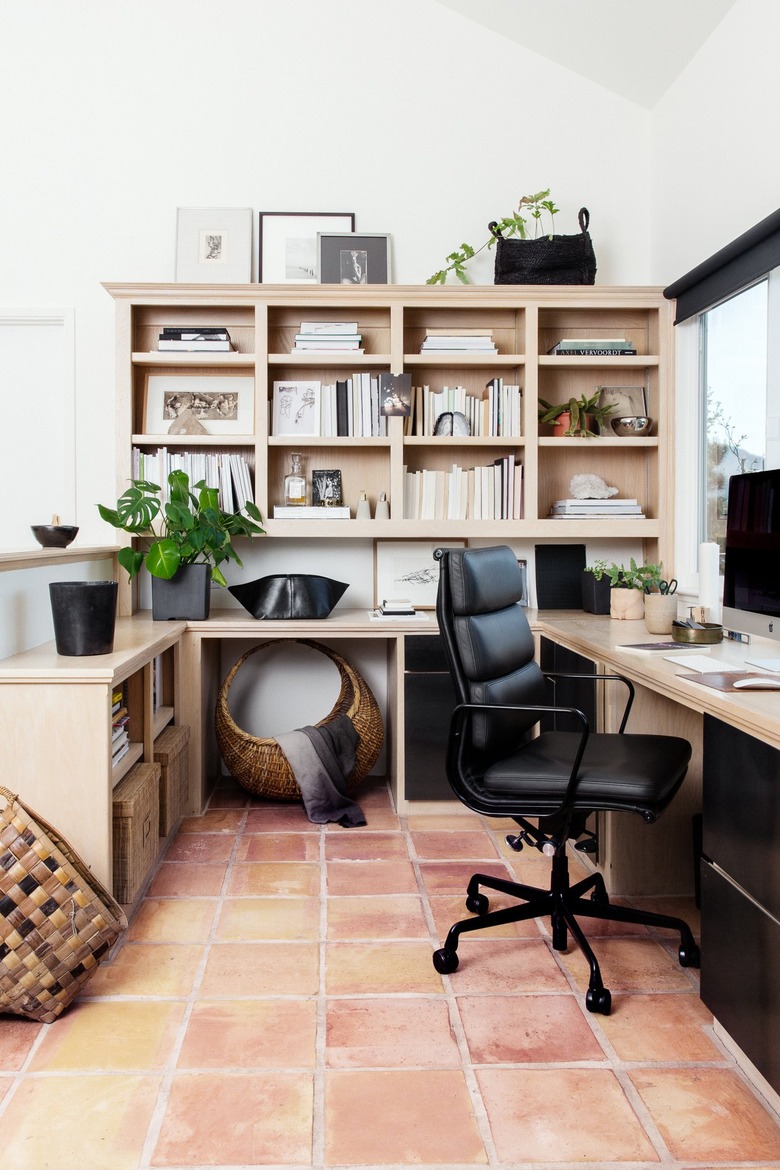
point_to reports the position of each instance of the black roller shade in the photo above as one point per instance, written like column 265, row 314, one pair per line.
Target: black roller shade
column 750, row 256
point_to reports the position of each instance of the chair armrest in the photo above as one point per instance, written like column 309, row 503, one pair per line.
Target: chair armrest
column 555, row 674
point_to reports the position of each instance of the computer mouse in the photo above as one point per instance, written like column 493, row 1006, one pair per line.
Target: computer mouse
column 756, row 682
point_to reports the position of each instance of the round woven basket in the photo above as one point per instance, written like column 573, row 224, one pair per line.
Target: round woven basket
column 260, row 766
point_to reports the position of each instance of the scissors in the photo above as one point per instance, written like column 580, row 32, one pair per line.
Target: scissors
column 668, row 587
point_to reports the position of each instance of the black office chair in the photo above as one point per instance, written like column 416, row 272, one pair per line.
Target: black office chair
column 499, row 767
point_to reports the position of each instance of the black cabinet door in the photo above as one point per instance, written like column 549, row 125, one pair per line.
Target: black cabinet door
column 429, row 700
column 568, row 692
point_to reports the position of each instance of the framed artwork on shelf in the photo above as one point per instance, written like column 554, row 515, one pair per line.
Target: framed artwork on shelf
column 214, row 245
column 406, row 568
column 326, row 489
column 296, row 408
column 627, row 400
column 187, row 404
column 287, row 243
column 355, row 259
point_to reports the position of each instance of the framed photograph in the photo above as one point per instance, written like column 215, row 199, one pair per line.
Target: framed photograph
column 214, row 245
column 395, row 394
column 287, row 243
column 325, row 488
column 356, row 259
column 628, row 400
column 406, row 568
column 296, row 408
column 185, row 404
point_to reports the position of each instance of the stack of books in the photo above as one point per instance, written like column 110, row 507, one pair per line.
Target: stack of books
column 205, row 338
column 595, row 509
column 328, row 337
column 396, row 607
column 593, row 347
column 476, row 340
column 120, row 736
column 495, row 413
column 492, row 492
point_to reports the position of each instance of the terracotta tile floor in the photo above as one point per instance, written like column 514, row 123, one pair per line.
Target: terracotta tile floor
column 273, row 1003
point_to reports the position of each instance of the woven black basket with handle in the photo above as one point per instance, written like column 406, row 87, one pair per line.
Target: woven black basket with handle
column 546, row 259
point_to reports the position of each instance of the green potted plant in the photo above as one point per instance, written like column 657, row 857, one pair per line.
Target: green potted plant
column 628, row 585
column 595, row 588
column 515, row 224
column 187, row 537
column 578, row 417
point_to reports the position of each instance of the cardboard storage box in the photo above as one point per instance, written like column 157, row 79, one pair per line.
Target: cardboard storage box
column 136, row 821
column 170, row 752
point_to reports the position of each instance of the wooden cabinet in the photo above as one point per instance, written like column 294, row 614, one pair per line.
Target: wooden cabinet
column 525, row 322
column 56, row 727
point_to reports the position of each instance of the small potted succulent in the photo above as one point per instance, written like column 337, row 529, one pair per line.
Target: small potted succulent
column 578, row 417
column 187, row 537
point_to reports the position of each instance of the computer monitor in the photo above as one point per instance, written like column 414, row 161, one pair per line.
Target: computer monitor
column 751, row 581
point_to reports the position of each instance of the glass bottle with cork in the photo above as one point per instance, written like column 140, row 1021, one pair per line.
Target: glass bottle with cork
column 295, row 482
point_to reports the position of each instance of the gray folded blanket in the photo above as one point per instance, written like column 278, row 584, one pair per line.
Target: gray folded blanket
column 322, row 759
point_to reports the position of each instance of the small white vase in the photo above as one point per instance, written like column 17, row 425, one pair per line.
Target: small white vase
column 626, row 604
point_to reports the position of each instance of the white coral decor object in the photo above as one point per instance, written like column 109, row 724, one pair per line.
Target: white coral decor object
column 590, row 487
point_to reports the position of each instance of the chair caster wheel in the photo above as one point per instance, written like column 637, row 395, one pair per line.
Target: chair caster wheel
column 445, row 961
column 689, row 956
column 600, row 897
column 599, row 1001
column 477, row 904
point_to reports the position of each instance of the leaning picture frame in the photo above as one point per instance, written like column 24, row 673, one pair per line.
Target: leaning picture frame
column 408, row 569
column 296, row 408
column 187, row 404
column 287, row 243
column 213, row 245
column 353, row 259
column 626, row 400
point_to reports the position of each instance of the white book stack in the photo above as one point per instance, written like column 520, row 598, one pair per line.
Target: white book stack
column 328, row 337
column 595, row 509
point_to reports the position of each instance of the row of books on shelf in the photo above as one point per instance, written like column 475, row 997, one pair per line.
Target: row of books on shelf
column 227, row 471
column 120, row 734
column 573, row 509
column 492, row 492
column 328, row 337
column 593, row 347
column 496, row 413
column 348, row 407
column 457, row 340
column 194, row 339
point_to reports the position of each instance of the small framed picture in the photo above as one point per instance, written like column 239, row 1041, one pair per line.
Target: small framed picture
column 325, row 488
column 296, row 408
column 628, row 401
column 395, row 394
column 185, row 404
column 214, row 245
column 407, row 568
column 355, row 259
column 287, row 243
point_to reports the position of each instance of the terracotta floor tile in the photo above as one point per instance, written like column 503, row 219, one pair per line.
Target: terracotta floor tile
column 659, row 1027
column 562, row 1115
column 268, row 918
column 379, row 818
column 684, row 908
column 111, row 1036
column 452, row 908
column 5, row 1085
column 452, row 877
column 17, row 1037
column 267, row 878
column 230, row 795
column 400, row 1033
column 261, row 1033
column 260, row 969
column 403, row 1117
column 365, row 846
column 217, row 820
column 376, row 917
column 370, row 877
column 172, row 920
column 278, row 818
column 419, row 822
column 278, row 847
column 174, row 879
column 629, row 964
column 527, row 1028
column 502, row 966
column 161, row 969
column 78, row 1122
column 464, row 843
column 707, row 1114
column 237, row 1120
column 200, row 847
column 381, row 968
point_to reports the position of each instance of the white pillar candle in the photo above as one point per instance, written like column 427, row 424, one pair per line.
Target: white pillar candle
column 709, row 580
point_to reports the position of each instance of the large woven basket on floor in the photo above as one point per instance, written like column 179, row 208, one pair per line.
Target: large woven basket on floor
column 261, row 766
column 56, row 920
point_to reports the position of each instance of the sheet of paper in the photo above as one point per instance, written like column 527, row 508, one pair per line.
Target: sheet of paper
column 703, row 664
column 764, row 663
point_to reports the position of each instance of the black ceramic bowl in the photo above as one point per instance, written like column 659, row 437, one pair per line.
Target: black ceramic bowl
column 54, row 535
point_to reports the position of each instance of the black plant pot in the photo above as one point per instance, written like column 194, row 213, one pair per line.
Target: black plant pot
column 84, row 614
column 185, row 597
column 595, row 594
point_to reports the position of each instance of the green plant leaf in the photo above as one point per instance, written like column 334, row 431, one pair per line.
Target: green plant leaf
column 163, row 559
column 131, row 560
